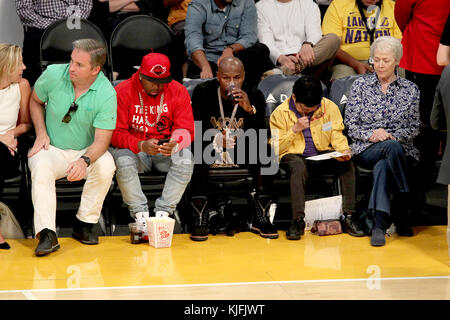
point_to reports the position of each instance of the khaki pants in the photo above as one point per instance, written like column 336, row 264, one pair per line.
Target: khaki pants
column 325, row 49
column 324, row 52
column 47, row 166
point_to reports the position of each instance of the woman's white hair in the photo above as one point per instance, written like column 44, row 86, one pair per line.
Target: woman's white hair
column 388, row 44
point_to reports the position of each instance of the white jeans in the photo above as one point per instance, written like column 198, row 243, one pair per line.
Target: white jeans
column 47, row 166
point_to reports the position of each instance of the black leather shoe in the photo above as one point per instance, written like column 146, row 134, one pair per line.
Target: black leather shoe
column 351, row 227
column 5, row 246
column 404, row 231
column 296, row 229
column 48, row 242
column 82, row 231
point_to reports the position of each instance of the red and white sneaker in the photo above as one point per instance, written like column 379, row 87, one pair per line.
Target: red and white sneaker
column 141, row 221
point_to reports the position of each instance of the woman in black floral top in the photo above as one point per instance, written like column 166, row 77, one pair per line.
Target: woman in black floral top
column 382, row 117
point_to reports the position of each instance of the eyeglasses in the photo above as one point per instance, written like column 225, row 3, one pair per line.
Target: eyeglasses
column 73, row 107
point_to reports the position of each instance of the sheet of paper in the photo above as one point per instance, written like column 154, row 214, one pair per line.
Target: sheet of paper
column 326, row 156
column 322, row 209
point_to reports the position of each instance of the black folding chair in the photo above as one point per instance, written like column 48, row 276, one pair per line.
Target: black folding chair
column 56, row 41
column 135, row 37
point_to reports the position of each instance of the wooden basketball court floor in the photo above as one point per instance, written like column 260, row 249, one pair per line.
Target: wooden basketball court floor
column 245, row 267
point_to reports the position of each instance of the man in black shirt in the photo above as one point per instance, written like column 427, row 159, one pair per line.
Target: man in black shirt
column 233, row 113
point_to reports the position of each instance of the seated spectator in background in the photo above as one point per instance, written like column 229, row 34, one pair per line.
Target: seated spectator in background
column 107, row 14
column 382, row 116
column 73, row 108
column 154, row 123
column 36, row 16
column 291, row 30
column 176, row 21
column 306, row 125
column 358, row 23
column 216, row 29
column 440, row 120
column 422, row 23
column 443, row 53
column 228, row 107
column 14, row 112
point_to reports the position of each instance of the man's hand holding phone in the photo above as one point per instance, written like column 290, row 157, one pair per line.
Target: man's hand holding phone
column 166, row 146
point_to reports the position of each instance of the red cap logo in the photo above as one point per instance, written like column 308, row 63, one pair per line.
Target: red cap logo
column 158, row 70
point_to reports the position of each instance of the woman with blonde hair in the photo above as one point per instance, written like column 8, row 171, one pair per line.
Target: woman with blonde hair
column 14, row 112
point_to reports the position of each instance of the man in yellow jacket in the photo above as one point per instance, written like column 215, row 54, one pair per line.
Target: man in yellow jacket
column 306, row 125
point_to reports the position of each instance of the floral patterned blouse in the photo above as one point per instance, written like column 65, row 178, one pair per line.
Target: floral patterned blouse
column 397, row 112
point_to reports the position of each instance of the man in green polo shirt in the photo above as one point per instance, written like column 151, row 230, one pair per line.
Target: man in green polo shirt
column 73, row 108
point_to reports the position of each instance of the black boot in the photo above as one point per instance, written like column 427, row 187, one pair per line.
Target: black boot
column 231, row 218
column 351, row 226
column 260, row 222
column 48, row 242
column 199, row 229
column 82, row 231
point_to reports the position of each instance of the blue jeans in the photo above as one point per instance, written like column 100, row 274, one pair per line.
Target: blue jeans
column 388, row 162
column 129, row 165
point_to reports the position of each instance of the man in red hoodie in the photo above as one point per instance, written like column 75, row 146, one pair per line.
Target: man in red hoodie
column 154, row 126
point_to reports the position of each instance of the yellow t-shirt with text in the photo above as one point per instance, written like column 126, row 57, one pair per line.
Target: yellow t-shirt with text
column 343, row 19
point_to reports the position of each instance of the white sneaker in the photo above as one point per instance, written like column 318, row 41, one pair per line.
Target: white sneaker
column 141, row 221
column 161, row 214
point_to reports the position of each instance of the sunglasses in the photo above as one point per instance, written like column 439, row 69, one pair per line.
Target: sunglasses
column 73, row 107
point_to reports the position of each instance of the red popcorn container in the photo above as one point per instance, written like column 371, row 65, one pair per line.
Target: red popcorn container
column 160, row 231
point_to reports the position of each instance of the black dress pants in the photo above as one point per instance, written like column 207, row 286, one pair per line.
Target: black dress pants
column 298, row 169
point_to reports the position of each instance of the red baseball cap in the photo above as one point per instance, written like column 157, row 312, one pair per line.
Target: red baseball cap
column 155, row 67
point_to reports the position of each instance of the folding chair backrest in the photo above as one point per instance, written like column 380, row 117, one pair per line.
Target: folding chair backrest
column 340, row 91
column 190, row 84
column 277, row 88
column 139, row 35
column 56, row 41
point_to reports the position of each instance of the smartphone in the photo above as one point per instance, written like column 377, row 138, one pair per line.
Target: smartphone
column 162, row 141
